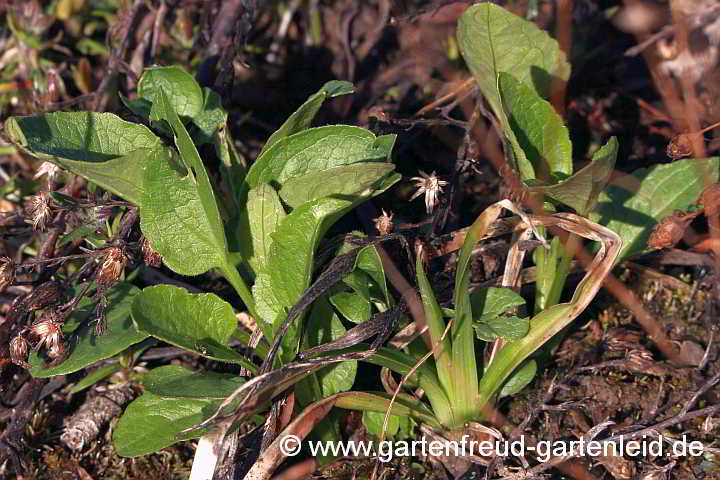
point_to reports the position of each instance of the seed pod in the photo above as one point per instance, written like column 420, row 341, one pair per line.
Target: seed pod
column 39, row 210
column 383, row 223
column 19, row 350
column 680, row 146
column 111, row 269
column 670, row 230
column 7, row 272
column 48, row 332
column 151, row 258
column 42, row 296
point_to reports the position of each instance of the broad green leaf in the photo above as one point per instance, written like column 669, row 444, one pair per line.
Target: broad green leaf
column 510, row 328
column 493, row 40
column 631, row 206
column 318, row 149
column 183, row 92
column 179, row 382
column 302, row 118
column 538, row 128
column 151, row 423
column 520, row 379
column 174, row 220
column 98, row 146
column 269, row 309
column 490, row 302
column 262, row 214
column 374, row 421
column 90, row 348
column 581, row 190
column 211, row 118
column 201, row 323
column 352, row 306
column 324, row 326
column 369, row 262
column 336, row 182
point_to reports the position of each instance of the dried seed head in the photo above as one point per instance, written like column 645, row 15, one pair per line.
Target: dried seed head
column 383, row 223
column 39, row 210
column 150, row 256
column 48, row 332
column 680, row 146
column 112, row 268
column 429, row 185
column 710, row 199
column 49, row 169
column 42, row 296
column 7, row 272
column 670, row 230
column 19, row 350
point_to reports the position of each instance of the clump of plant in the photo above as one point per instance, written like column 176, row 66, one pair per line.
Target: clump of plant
column 259, row 228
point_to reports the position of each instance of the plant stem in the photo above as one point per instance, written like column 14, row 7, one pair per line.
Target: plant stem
column 231, row 275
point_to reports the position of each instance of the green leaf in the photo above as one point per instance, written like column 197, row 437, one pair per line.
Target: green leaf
column 352, row 306
column 151, row 423
column 90, row 348
column 520, row 379
column 318, row 149
column 490, row 302
column 98, row 146
column 581, row 190
column 302, row 118
column 174, row 220
column 184, row 93
column 201, row 323
column 493, row 40
column 179, row 382
column 369, row 262
column 510, row 328
column 210, row 119
column 538, row 128
column 374, row 421
column 336, row 182
column 632, row 205
column 403, row 406
column 262, row 214
column 324, row 326
column 96, row 376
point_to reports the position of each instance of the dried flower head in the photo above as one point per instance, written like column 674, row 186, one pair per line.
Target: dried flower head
column 49, row 169
column 710, row 199
column 383, row 223
column 19, row 350
column 112, row 268
column 150, row 256
column 39, row 210
column 431, row 186
column 680, row 146
column 7, row 272
column 48, row 332
column 670, row 230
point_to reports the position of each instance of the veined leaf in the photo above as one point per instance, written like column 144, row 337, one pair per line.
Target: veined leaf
column 581, row 190
column 538, row 128
column 201, row 323
column 490, row 302
column 336, row 182
column 262, row 214
column 151, row 423
column 318, row 149
column 520, row 379
column 493, row 40
column 98, row 146
column 179, row 382
column 89, row 347
column 352, row 305
column 210, row 119
column 632, row 205
column 510, row 328
column 183, row 92
column 302, row 118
